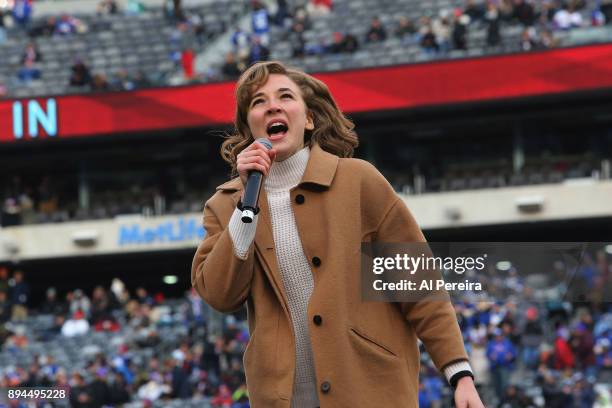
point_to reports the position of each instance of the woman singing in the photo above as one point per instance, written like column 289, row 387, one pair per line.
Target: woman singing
column 313, row 341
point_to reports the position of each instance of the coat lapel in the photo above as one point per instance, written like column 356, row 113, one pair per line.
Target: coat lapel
column 264, row 239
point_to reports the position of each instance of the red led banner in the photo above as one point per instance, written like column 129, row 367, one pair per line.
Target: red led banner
column 398, row 87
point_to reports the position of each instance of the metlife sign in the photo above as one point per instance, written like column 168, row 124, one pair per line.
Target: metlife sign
column 178, row 230
column 126, row 234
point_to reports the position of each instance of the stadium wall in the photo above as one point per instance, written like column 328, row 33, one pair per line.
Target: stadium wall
column 578, row 199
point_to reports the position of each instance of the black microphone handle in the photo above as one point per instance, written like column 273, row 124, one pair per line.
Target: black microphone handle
column 252, row 189
column 251, row 193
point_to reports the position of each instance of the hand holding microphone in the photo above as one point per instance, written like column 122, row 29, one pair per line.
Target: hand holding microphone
column 253, row 163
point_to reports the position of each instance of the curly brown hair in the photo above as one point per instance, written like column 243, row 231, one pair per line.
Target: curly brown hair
column 332, row 130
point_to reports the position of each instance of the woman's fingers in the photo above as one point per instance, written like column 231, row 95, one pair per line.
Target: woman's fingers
column 254, row 157
column 256, row 146
column 253, row 163
column 255, row 153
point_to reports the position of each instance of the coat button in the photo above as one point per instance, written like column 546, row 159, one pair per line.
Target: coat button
column 316, row 261
column 325, row 386
column 299, row 199
column 317, row 320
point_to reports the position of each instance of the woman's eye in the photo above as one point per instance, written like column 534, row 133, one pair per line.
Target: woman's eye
column 287, row 95
column 255, row 102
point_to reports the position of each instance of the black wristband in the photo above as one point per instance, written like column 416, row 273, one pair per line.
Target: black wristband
column 239, row 206
column 455, row 378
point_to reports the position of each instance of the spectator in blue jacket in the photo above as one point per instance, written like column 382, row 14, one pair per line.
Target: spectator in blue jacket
column 433, row 387
column 22, row 13
column 28, row 72
column 501, row 353
column 260, row 21
column 603, row 357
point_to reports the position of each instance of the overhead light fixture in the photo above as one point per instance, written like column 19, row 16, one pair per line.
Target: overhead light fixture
column 10, row 247
column 530, row 204
column 503, row 265
column 85, row 238
column 170, row 279
column 452, row 213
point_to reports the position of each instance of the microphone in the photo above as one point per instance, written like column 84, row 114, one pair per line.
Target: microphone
column 253, row 187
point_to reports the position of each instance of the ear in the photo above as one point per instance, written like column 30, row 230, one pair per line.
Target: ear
column 309, row 122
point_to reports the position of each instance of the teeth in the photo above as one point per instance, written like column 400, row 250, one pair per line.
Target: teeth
column 276, row 127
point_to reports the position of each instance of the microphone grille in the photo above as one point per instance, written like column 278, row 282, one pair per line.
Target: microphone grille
column 265, row 142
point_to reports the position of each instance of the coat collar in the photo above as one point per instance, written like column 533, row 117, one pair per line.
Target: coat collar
column 321, row 167
column 320, row 170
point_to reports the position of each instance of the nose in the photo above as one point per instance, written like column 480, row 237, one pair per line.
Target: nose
column 273, row 107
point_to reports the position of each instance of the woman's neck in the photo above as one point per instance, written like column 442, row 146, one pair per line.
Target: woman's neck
column 286, row 174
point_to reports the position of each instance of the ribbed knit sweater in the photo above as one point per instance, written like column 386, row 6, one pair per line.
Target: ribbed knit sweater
column 294, row 268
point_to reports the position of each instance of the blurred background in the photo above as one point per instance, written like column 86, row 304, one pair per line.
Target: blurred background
column 492, row 119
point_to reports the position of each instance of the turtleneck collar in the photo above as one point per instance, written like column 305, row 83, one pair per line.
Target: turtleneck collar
column 287, row 174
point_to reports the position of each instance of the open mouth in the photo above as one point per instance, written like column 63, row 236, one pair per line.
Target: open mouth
column 277, row 129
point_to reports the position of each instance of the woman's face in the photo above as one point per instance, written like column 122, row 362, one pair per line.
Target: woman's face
column 278, row 112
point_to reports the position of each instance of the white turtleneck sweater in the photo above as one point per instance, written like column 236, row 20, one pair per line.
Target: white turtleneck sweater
column 294, row 268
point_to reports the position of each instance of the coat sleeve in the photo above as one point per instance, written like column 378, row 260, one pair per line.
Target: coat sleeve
column 221, row 278
column 433, row 319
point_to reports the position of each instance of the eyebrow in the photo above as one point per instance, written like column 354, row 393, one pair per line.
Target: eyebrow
column 278, row 91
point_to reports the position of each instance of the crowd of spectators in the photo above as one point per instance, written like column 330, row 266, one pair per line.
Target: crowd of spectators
column 42, row 200
column 122, row 80
column 51, row 200
column 450, row 29
column 81, row 75
column 490, row 173
column 251, row 46
column 63, row 24
column 23, row 203
column 525, row 352
column 435, row 34
column 254, row 45
column 187, row 360
column 32, row 56
column 67, row 25
column 529, row 351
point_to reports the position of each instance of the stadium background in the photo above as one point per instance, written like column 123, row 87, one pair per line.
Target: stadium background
column 492, row 120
